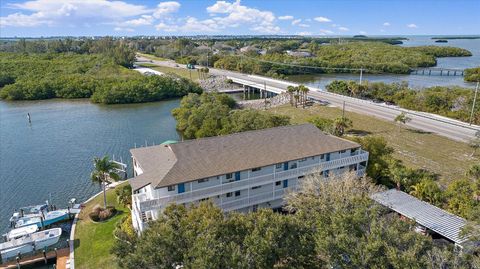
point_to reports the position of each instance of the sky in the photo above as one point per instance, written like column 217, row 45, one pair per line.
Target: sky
column 37, row 18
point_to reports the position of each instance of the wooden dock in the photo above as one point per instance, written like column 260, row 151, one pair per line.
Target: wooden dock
column 61, row 260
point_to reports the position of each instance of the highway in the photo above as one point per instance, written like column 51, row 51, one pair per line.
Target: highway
column 426, row 122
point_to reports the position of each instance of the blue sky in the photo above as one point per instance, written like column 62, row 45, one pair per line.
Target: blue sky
column 190, row 17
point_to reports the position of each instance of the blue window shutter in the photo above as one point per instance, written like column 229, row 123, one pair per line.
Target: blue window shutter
column 285, row 183
column 285, row 166
column 181, row 187
column 237, row 176
column 328, row 157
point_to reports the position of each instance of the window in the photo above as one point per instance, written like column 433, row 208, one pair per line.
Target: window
column 256, row 187
column 293, row 165
column 278, row 183
column 228, row 176
column 285, row 183
column 237, row 193
column 278, row 166
column 340, row 168
column 304, row 159
column 300, row 177
column 256, row 169
column 203, row 199
column 322, row 156
column 171, row 188
column 343, row 151
column 202, row 180
column 229, row 194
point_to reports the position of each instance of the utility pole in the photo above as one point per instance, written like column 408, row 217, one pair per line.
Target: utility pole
column 361, row 75
column 474, row 101
column 343, row 110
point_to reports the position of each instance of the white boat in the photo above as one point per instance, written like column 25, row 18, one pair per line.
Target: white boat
column 20, row 232
column 30, row 242
column 42, row 220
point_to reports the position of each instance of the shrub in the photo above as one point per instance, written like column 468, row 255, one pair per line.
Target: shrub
column 102, row 214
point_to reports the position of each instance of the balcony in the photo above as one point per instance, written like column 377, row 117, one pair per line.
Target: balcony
column 155, row 204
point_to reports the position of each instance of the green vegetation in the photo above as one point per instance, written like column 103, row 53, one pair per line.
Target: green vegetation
column 104, row 172
column 44, row 76
column 415, row 148
column 471, row 74
column 337, row 229
column 453, row 102
column 94, row 241
column 212, row 114
column 342, row 58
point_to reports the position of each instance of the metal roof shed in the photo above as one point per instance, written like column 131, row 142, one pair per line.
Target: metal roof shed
column 425, row 214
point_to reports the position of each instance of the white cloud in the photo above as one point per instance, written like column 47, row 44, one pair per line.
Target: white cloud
column 224, row 15
column 304, row 25
column 386, row 24
column 345, row 29
column 362, row 32
column 165, row 8
column 322, row 19
column 143, row 20
column 295, row 22
column 412, row 25
column 286, row 17
column 71, row 12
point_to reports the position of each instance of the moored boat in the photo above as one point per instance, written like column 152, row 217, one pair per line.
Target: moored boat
column 20, row 232
column 29, row 243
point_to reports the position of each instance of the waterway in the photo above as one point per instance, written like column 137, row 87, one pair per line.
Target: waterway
column 414, row 81
column 53, row 155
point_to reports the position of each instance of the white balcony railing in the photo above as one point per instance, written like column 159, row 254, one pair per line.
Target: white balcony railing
column 145, row 205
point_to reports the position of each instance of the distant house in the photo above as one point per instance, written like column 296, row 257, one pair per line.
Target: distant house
column 243, row 171
column 254, row 49
column 298, row 53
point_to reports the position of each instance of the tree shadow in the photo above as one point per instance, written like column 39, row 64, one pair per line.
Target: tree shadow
column 357, row 132
column 416, row 131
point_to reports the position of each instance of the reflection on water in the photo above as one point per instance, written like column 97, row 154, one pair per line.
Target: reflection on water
column 54, row 154
column 414, row 81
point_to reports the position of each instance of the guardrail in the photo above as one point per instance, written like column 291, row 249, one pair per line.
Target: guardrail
column 358, row 100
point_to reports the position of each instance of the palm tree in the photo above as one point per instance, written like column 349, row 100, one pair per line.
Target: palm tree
column 427, row 190
column 104, row 172
column 124, row 195
column 291, row 90
column 296, row 96
column 303, row 90
column 402, row 118
column 340, row 124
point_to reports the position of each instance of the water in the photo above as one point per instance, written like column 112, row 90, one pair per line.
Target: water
column 54, row 154
column 415, row 81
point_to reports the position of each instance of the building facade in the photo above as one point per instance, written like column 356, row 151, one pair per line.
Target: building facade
column 243, row 171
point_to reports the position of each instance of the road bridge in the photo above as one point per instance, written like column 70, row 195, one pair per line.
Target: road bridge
column 453, row 129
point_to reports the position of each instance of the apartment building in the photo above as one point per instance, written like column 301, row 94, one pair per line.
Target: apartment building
column 243, row 171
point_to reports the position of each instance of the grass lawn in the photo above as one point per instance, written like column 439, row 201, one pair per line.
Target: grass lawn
column 448, row 158
column 93, row 241
column 183, row 72
column 152, row 57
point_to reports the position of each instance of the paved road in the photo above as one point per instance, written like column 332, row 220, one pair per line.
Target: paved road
column 426, row 122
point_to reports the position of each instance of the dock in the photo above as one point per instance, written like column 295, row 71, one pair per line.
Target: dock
column 60, row 257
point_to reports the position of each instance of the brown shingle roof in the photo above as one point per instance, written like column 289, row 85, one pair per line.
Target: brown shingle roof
column 166, row 165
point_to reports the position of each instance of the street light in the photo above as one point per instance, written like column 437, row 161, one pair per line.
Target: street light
column 474, row 101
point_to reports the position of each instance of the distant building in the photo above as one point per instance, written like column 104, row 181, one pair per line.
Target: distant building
column 243, row 171
column 298, row 53
column 254, row 49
